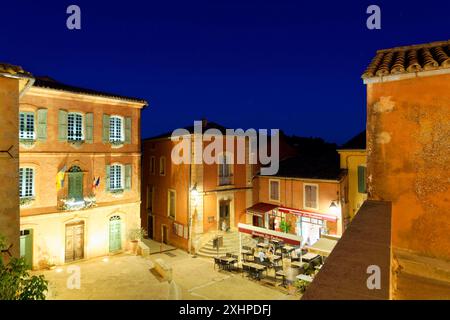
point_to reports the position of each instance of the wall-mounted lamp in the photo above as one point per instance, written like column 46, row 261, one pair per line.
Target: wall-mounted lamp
column 334, row 208
column 194, row 191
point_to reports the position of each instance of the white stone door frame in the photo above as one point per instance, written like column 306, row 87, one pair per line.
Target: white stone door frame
column 225, row 196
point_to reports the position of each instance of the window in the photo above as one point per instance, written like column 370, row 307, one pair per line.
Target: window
column 162, row 166
column 116, row 129
column 26, row 182
column 171, row 204
column 362, row 172
column 150, row 199
column 26, row 125
column 152, row 165
column 74, row 127
column 224, row 170
column 116, row 177
column 311, row 196
column 274, row 190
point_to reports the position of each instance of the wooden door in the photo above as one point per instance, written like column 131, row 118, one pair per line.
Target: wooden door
column 115, row 234
column 26, row 247
column 165, row 234
column 74, row 241
column 150, row 226
column 224, row 214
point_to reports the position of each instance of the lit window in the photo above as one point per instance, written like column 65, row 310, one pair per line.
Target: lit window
column 116, row 129
column 274, row 186
column 116, row 180
column 311, row 196
column 74, row 127
column 26, row 182
column 26, row 125
column 171, row 203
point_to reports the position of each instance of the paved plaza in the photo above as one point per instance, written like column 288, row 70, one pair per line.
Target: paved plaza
column 126, row 276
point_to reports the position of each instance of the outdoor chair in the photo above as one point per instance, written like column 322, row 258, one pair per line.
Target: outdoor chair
column 280, row 274
column 217, row 262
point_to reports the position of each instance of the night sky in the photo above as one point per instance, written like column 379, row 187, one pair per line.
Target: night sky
column 292, row 65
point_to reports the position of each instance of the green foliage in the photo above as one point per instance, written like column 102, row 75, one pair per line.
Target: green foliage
column 137, row 234
column 301, row 285
column 16, row 282
column 285, row 226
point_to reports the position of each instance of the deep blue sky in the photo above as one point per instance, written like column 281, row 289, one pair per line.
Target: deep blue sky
column 293, row 65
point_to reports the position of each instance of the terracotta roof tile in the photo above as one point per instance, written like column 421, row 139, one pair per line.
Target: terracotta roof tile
column 416, row 58
column 6, row 68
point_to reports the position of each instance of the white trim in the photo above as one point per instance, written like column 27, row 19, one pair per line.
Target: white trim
column 82, row 125
column 122, row 128
column 23, row 183
column 317, row 195
column 122, row 176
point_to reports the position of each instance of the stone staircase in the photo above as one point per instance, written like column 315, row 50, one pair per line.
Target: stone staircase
column 230, row 244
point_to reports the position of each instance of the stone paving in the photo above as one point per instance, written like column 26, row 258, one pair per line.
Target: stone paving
column 126, row 276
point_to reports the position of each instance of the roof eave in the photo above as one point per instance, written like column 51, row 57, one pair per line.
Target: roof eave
column 405, row 76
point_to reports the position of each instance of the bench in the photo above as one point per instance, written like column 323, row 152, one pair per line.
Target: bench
column 143, row 249
column 163, row 269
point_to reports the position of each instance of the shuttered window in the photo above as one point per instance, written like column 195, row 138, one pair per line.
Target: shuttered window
column 362, row 172
column 115, row 176
column 26, row 182
column 89, row 127
column 162, row 166
column 274, row 187
column 26, row 125
column 76, row 185
column 310, row 196
column 74, row 127
column 171, row 203
column 152, row 165
column 116, row 133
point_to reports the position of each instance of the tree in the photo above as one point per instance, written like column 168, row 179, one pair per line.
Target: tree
column 16, row 282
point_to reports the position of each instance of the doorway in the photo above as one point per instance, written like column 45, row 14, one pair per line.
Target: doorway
column 150, row 226
column 115, row 234
column 165, row 234
column 75, row 183
column 224, row 215
column 74, row 241
column 26, row 247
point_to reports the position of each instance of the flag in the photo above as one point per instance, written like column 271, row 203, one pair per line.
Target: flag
column 96, row 183
column 60, row 178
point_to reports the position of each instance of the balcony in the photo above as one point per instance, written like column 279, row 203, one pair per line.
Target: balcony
column 225, row 180
column 72, row 204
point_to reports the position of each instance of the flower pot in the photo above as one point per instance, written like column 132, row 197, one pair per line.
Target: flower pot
column 134, row 246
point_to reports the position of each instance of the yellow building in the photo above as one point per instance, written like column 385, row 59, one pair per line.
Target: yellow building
column 353, row 158
column 14, row 82
column 79, row 176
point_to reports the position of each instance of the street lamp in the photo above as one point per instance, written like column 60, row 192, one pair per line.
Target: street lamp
column 334, row 209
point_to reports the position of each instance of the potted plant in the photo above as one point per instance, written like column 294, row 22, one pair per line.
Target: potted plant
column 285, row 226
column 135, row 236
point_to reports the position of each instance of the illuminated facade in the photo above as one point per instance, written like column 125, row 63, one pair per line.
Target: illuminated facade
column 79, row 178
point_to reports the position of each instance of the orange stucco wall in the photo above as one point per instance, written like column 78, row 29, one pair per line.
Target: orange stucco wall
column 409, row 160
column 291, row 195
column 9, row 193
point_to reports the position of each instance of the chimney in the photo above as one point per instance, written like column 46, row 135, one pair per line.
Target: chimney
column 204, row 122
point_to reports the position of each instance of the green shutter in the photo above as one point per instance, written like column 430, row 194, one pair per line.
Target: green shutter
column 62, row 125
column 127, row 130
column 89, row 127
column 41, row 134
column 127, row 176
column 108, row 177
column 76, row 185
column 106, row 128
column 362, row 179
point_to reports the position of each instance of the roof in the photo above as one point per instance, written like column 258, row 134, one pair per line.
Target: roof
column 49, row 83
column 205, row 126
column 262, row 207
column 12, row 70
column 358, row 142
column 323, row 247
column 409, row 59
column 321, row 167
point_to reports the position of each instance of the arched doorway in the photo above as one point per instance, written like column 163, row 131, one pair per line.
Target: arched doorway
column 74, row 241
column 115, row 234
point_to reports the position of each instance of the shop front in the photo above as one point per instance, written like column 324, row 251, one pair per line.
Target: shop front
column 308, row 225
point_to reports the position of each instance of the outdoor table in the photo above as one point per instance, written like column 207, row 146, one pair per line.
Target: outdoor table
column 229, row 260
column 298, row 264
column 309, row 256
column 288, row 248
column 257, row 269
column 304, row 278
column 263, row 245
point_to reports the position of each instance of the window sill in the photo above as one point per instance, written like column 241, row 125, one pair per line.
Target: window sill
column 117, row 193
column 76, row 143
column 26, row 201
column 116, row 144
column 27, row 143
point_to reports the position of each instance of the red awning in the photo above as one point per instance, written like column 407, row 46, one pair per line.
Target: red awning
column 261, row 208
column 309, row 214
